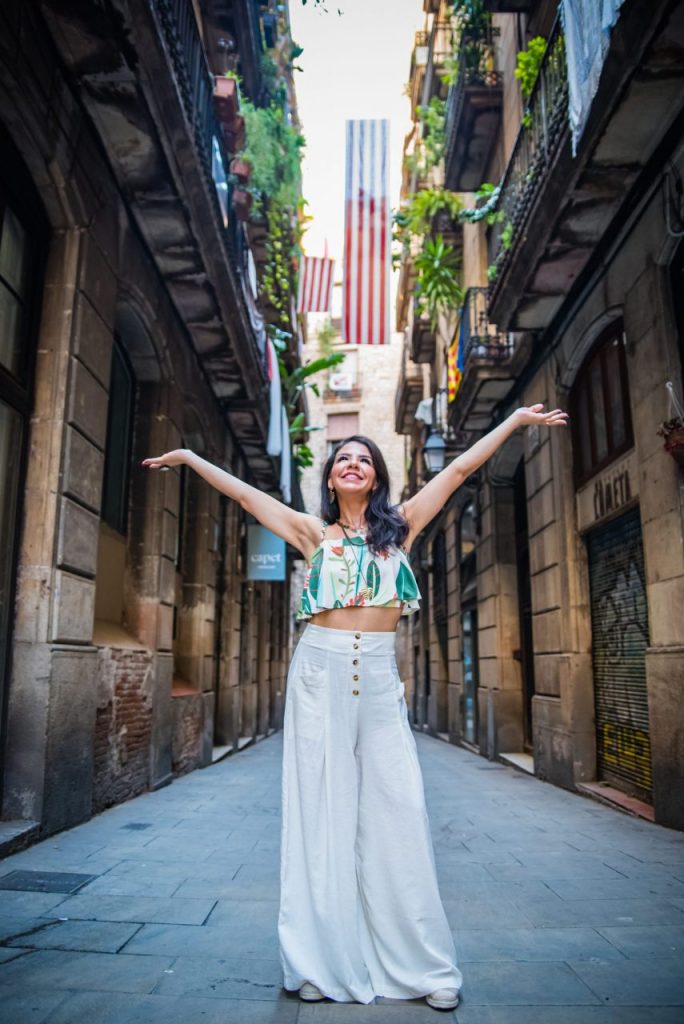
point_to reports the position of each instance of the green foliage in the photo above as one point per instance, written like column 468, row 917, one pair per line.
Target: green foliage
column 273, row 148
column 326, row 334
column 528, row 65
column 438, row 290
column 507, row 236
column 277, row 275
column 487, row 197
column 492, row 271
column 433, row 118
column 471, row 17
column 415, row 219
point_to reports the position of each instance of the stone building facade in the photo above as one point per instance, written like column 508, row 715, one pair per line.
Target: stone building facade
column 132, row 644
column 555, row 635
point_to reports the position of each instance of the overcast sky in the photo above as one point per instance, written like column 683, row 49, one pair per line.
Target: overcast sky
column 354, row 66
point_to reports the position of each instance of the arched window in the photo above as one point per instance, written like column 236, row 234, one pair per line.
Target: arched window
column 602, row 424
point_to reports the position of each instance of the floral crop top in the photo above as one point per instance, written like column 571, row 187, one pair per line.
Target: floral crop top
column 344, row 573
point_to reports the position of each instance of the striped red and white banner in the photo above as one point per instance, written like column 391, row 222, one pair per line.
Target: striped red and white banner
column 315, row 285
column 367, row 236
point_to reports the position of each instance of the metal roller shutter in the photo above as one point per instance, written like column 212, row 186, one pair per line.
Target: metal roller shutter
column 619, row 618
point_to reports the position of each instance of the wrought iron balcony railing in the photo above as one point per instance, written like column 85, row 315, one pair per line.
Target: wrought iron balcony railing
column 476, row 94
column 196, row 88
column 408, row 394
column 542, row 128
column 479, row 338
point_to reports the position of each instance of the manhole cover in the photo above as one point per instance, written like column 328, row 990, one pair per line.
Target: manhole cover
column 44, row 881
column 137, row 826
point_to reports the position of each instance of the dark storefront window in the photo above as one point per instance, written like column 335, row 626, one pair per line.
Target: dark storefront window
column 677, row 285
column 600, row 406
column 118, row 450
column 468, row 567
column 20, row 245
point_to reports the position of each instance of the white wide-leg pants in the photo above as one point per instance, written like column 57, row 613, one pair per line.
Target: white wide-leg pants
column 360, row 911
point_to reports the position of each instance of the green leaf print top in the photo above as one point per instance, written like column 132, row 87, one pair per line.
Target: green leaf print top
column 339, row 577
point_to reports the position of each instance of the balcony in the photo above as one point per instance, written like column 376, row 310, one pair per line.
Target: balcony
column 473, row 114
column 558, row 208
column 156, row 122
column 419, row 61
column 408, row 395
column 440, row 49
column 423, row 339
column 490, row 365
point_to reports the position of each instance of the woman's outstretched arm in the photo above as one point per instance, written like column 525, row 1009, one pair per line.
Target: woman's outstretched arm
column 431, row 498
column 298, row 528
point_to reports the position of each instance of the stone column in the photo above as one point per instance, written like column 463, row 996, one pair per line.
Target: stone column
column 53, row 690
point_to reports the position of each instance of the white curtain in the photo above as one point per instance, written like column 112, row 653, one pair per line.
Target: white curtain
column 587, row 25
column 286, row 460
column 274, row 443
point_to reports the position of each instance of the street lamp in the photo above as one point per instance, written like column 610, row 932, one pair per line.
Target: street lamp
column 433, row 453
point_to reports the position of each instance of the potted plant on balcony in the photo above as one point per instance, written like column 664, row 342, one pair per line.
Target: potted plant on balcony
column 673, row 428
column 438, row 290
column 240, row 169
column 242, row 203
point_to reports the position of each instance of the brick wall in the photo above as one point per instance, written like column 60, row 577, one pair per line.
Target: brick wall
column 186, row 747
column 123, row 723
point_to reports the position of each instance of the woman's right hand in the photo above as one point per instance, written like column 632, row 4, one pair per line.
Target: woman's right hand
column 175, row 458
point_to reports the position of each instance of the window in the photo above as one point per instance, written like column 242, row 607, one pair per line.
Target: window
column 338, row 426
column 14, row 294
column 22, row 234
column 118, row 449
column 677, row 286
column 468, row 557
column 602, row 426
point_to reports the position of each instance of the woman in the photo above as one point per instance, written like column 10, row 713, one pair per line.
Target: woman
column 360, row 912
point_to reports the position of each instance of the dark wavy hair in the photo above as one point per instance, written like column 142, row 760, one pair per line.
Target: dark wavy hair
column 387, row 527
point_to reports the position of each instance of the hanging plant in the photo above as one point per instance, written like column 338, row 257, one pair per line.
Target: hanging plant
column 417, row 216
column 438, row 290
column 273, row 148
column 528, row 64
column 433, row 119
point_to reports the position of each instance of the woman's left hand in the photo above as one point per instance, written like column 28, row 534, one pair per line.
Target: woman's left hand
column 527, row 417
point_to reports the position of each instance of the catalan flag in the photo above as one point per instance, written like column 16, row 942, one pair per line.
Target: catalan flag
column 367, row 235
column 455, row 362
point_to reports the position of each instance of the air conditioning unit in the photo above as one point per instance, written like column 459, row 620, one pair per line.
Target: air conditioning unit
column 341, row 380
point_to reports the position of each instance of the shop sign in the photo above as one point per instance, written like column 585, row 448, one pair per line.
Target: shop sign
column 610, row 491
column 265, row 554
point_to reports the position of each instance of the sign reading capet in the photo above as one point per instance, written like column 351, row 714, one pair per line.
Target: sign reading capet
column 265, row 554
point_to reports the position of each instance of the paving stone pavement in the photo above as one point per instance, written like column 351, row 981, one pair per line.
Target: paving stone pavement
column 564, row 911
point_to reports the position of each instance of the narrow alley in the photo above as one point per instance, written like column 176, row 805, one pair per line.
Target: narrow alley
column 164, row 909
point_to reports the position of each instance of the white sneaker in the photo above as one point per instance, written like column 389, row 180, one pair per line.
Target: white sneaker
column 310, row 993
column 443, row 999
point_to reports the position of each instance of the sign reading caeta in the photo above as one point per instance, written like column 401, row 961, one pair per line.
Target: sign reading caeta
column 265, row 554
column 608, row 493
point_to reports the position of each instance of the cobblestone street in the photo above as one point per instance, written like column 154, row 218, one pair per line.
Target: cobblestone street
column 564, row 911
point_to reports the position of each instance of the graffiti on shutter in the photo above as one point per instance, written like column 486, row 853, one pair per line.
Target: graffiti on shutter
column 619, row 618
